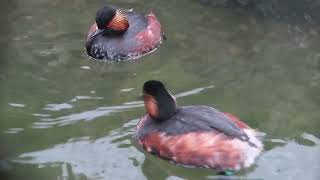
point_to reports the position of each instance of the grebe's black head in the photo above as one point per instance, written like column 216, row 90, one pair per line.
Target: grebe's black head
column 109, row 18
column 104, row 16
column 154, row 87
column 159, row 103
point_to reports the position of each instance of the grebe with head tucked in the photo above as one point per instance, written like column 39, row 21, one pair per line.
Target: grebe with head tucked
column 122, row 34
column 199, row 136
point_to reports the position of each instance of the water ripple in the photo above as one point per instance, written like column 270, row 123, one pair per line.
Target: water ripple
column 57, row 107
column 194, row 91
column 127, row 90
column 85, row 98
column 13, row 130
column 95, row 113
column 291, row 161
column 16, row 105
column 86, row 116
column 102, row 158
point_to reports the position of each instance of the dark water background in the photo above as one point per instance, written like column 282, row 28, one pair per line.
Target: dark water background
column 63, row 116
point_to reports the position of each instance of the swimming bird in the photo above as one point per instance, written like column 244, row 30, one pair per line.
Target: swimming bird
column 200, row 136
column 119, row 34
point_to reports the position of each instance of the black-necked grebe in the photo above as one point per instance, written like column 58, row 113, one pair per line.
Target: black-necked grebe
column 122, row 34
column 198, row 136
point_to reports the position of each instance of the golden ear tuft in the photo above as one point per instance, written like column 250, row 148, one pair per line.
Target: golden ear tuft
column 119, row 22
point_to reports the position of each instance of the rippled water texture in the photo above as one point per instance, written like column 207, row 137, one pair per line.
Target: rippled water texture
column 64, row 116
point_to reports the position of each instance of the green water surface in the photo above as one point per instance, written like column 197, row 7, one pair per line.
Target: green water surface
column 65, row 116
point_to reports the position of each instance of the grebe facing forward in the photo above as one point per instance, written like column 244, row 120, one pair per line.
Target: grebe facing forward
column 122, row 34
column 199, row 136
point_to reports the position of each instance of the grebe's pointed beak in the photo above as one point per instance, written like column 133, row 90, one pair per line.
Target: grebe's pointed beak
column 96, row 33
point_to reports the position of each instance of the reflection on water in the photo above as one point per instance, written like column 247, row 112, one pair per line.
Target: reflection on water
column 106, row 157
column 109, row 156
column 17, row 105
column 64, row 116
column 290, row 161
column 57, row 107
column 13, row 130
column 96, row 113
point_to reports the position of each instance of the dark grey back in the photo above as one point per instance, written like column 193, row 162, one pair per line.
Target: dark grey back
column 192, row 119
